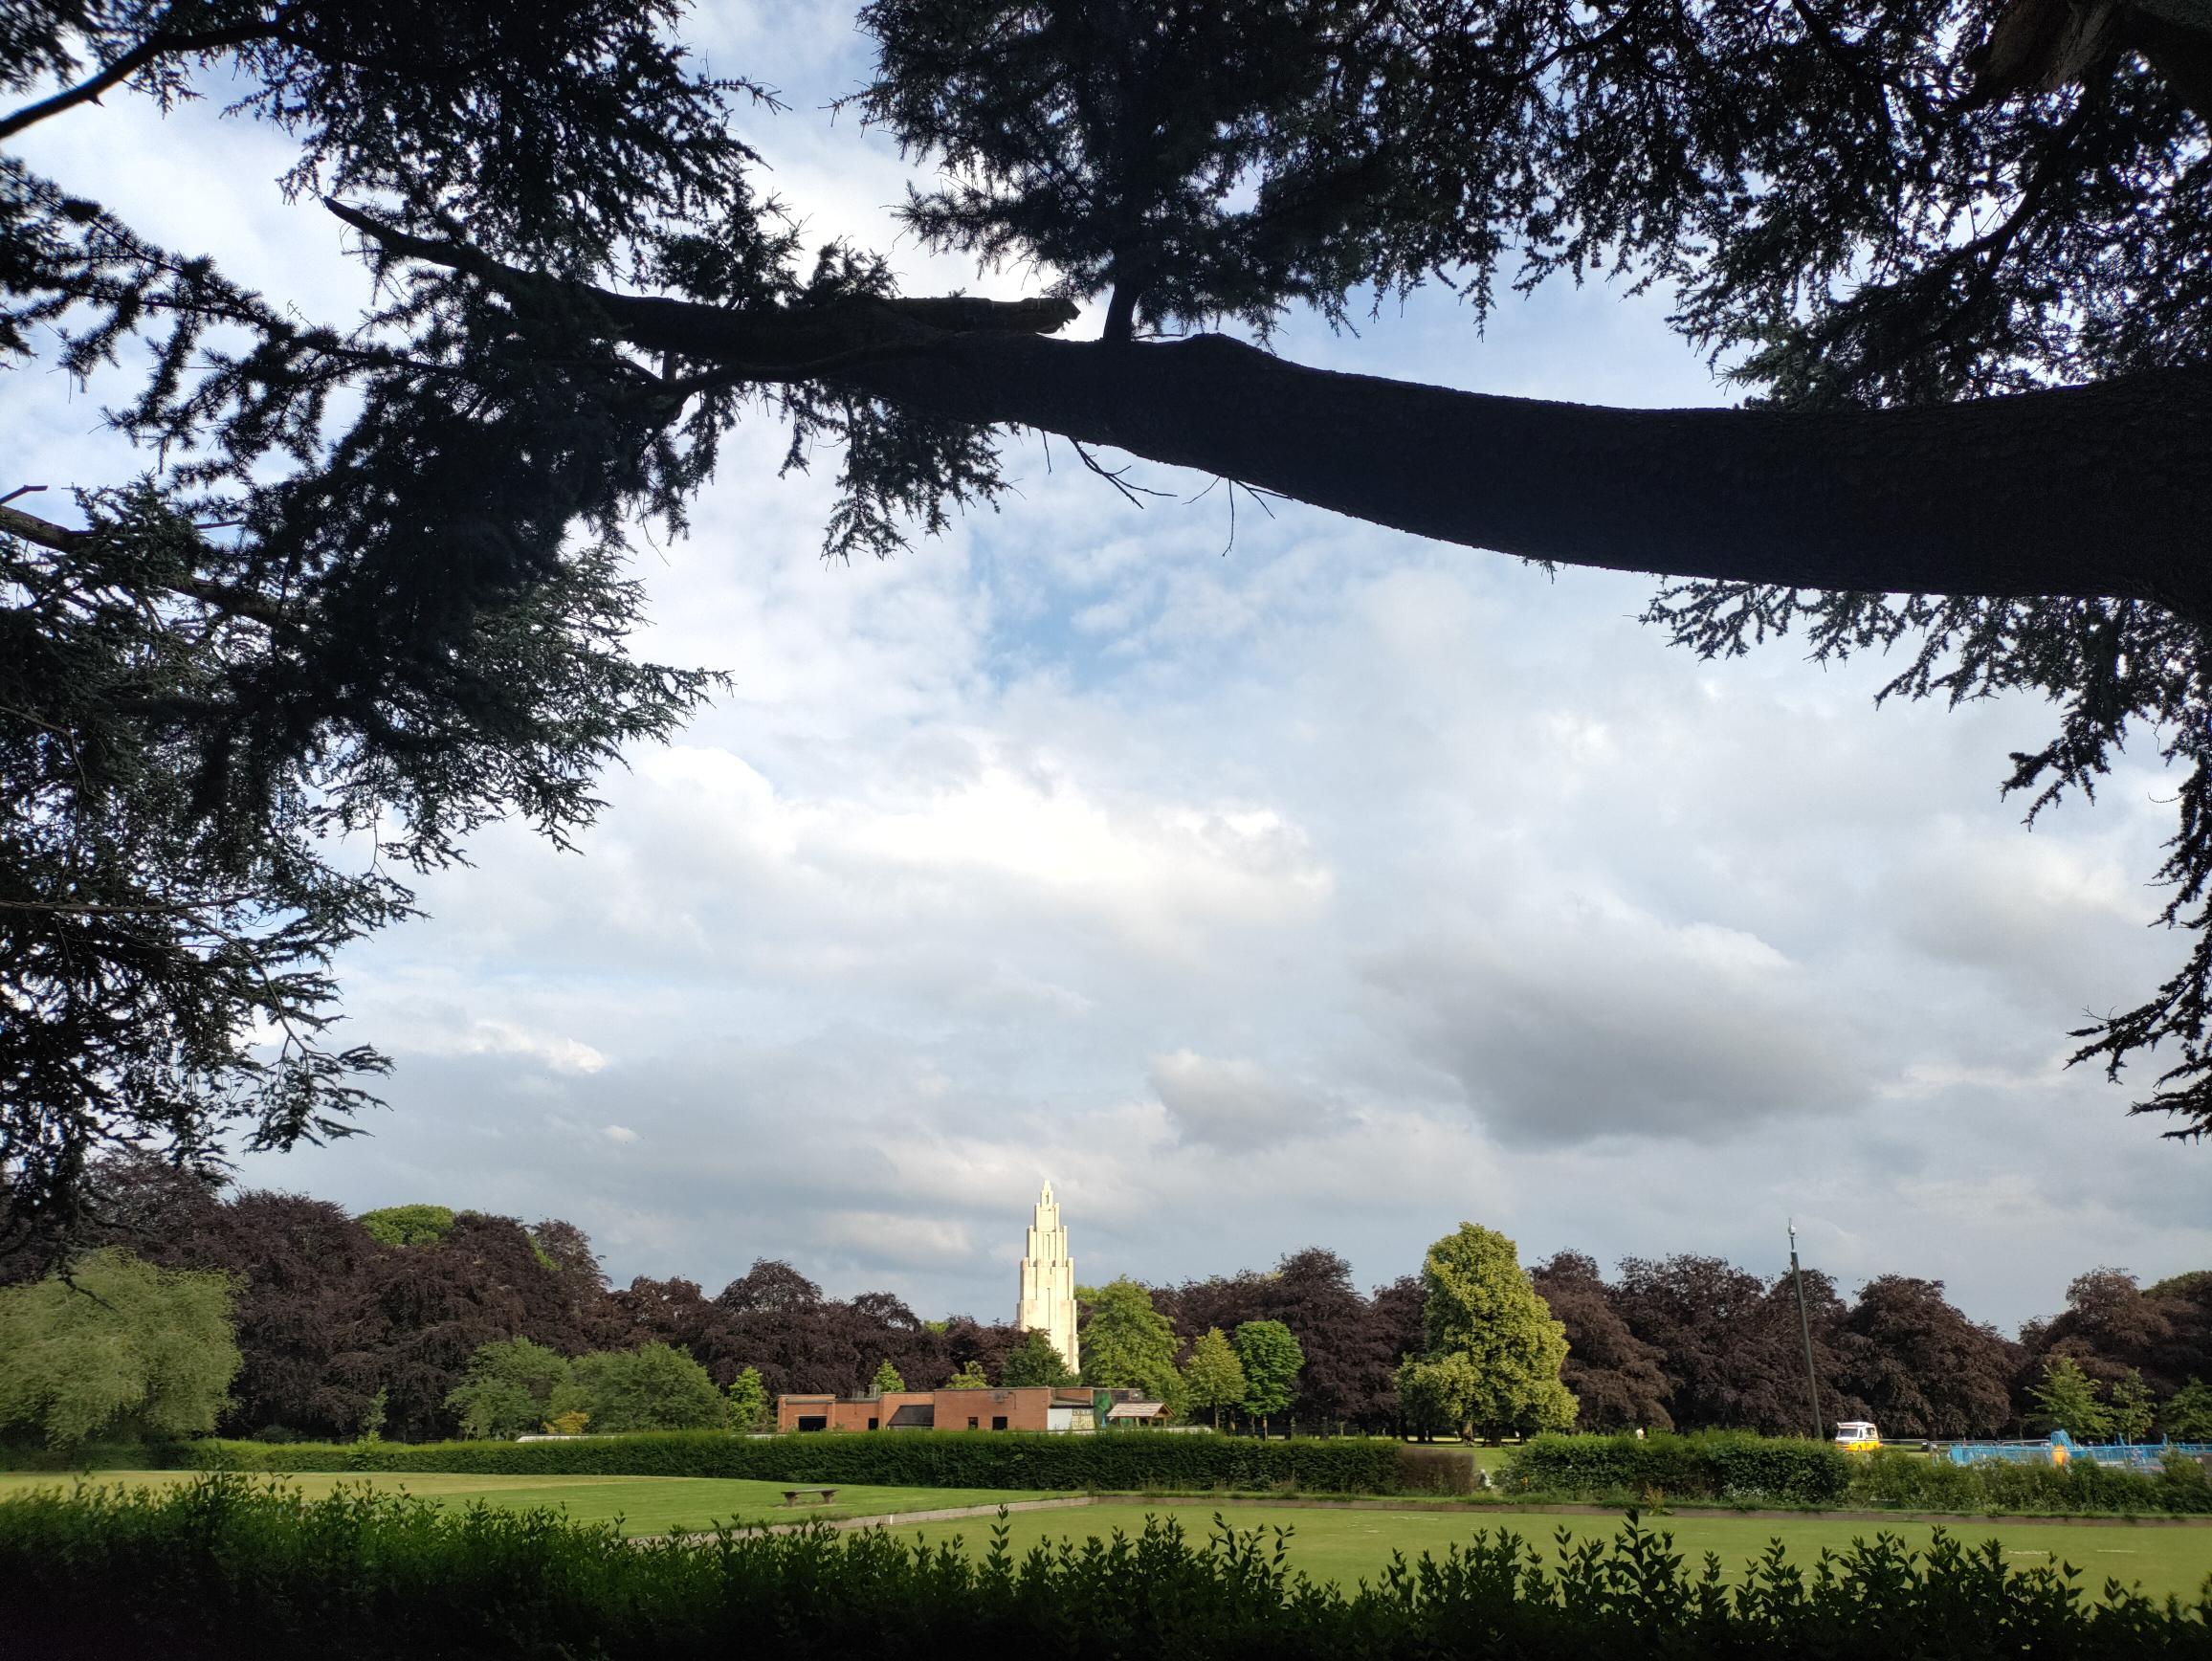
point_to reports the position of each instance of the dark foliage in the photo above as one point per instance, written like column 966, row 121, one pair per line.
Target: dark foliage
column 1349, row 1342
column 1920, row 1366
column 1618, row 1379
column 2112, row 1327
column 226, row 1570
column 775, row 1319
column 373, row 590
column 1735, row 1352
column 328, row 1316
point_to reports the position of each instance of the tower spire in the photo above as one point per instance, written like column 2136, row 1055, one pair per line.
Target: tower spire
column 1046, row 1300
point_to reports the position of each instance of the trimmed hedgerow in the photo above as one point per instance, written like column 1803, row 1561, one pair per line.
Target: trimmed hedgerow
column 1721, row 1465
column 1911, row 1482
column 1425, row 1469
column 1129, row 1460
column 96, row 1456
column 231, row 1569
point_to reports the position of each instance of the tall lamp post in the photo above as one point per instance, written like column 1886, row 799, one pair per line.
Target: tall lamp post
column 1805, row 1327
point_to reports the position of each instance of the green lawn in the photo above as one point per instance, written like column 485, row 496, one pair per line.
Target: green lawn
column 1340, row 1545
column 1347, row 1546
column 645, row 1504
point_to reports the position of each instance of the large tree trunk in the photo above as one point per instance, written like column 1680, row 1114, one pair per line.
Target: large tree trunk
column 2104, row 490
column 2100, row 490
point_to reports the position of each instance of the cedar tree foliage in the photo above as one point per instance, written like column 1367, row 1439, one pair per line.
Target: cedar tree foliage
column 366, row 592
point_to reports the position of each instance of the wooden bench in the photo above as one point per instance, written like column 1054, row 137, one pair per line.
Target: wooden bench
column 828, row 1495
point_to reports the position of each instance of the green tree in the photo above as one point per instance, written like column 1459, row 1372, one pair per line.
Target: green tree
column 254, row 646
column 2067, row 1400
column 509, row 1388
column 1127, row 1344
column 1034, row 1361
column 2187, row 1415
column 656, row 1387
column 1271, row 1358
column 411, row 1225
column 372, row 1416
column 1480, row 1305
column 1213, row 1377
column 887, row 1379
column 119, row 1348
column 1437, row 1395
column 750, row 1409
column 970, row 1376
column 2131, row 1407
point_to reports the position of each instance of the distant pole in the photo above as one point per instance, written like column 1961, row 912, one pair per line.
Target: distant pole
column 1805, row 1326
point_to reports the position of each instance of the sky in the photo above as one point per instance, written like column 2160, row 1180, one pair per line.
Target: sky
column 1315, row 886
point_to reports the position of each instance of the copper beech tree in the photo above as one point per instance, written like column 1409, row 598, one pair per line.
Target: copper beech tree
column 368, row 573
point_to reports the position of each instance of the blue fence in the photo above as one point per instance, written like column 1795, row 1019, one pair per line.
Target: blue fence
column 2058, row 1449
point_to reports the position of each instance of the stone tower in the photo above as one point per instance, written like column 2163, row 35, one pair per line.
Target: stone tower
column 1048, row 1301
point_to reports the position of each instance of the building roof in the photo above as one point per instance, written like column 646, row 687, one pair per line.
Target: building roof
column 1135, row 1410
column 914, row 1416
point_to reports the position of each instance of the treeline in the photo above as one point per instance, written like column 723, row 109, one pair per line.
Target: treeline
column 346, row 1324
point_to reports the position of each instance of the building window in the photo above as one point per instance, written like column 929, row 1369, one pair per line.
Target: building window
column 872, row 1424
column 971, row 1424
column 999, row 1422
column 813, row 1422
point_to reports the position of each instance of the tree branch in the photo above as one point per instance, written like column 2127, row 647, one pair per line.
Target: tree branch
column 153, row 46
column 2103, row 490
column 223, row 596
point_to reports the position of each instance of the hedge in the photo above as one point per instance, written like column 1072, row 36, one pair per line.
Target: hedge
column 231, row 1569
column 1124, row 1460
column 99, row 1457
column 1723, row 1464
column 1909, row 1482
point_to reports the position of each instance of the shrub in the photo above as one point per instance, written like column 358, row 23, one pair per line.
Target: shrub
column 1726, row 1465
column 115, row 1349
column 1117, row 1461
column 654, row 1387
column 409, row 1224
column 1428, row 1470
column 229, row 1569
column 1908, row 1482
column 508, row 1387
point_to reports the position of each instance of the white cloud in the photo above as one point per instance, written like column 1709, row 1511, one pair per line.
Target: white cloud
column 618, row 1133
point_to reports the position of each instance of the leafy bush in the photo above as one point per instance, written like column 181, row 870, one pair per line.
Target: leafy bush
column 97, row 1456
column 226, row 1570
column 1725, row 1465
column 1430, row 1470
column 117, row 1348
column 409, row 1224
column 1117, row 1461
column 654, row 1387
column 508, row 1388
column 1909, row 1483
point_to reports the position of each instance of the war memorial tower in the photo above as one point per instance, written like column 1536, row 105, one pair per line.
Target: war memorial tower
column 1048, row 1300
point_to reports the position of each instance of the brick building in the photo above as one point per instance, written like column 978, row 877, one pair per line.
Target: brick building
column 1024, row 1407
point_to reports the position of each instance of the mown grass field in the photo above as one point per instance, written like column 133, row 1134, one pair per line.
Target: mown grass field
column 1347, row 1546
column 645, row 1504
column 1342, row 1545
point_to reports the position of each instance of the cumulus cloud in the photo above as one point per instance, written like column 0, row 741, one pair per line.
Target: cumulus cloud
column 1234, row 1104
column 1599, row 1021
